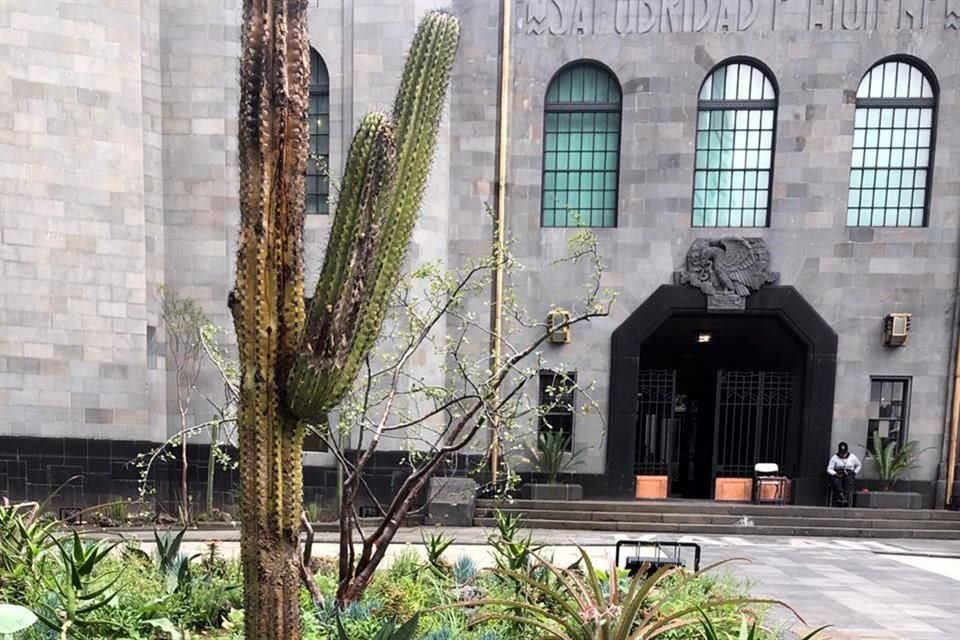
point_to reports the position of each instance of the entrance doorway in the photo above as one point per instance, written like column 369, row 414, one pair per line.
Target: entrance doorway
column 698, row 394
column 715, row 395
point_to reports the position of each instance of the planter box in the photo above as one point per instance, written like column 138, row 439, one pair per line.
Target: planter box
column 888, row 500
column 768, row 491
column 733, row 489
column 652, row 487
column 553, row 492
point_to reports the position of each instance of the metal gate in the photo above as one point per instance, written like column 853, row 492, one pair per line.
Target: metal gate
column 752, row 420
column 656, row 423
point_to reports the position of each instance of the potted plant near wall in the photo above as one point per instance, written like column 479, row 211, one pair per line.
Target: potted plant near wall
column 894, row 461
column 552, row 457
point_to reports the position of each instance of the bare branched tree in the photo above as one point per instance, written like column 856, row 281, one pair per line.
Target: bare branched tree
column 439, row 316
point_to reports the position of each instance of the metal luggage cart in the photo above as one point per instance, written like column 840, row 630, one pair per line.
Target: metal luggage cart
column 654, row 554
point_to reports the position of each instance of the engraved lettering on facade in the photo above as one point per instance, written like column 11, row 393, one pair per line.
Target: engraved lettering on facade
column 561, row 28
column 748, row 11
column 536, row 14
column 952, row 19
column 821, row 15
column 857, row 15
column 913, row 14
column 635, row 17
column 581, row 18
column 671, row 16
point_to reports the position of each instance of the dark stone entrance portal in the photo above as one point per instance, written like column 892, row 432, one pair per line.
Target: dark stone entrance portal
column 696, row 394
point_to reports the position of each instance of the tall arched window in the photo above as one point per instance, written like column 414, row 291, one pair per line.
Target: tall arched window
column 318, row 182
column 736, row 127
column 581, row 147
column 890, row 173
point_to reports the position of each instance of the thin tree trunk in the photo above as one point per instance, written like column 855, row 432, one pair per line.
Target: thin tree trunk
column 211, row 465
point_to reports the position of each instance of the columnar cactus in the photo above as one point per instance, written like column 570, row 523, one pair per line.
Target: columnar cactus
column 296, row 363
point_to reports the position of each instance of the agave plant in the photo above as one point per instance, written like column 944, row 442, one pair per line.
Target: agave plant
column 748, row 630
column 587, row 604
column 389, row 630
column 893, row 459
column 297, row 361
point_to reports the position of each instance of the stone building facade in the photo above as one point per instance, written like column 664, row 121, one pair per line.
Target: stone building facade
column 118, row 174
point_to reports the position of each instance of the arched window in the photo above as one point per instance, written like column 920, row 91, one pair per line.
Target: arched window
column 890, row 173
column 736, row 127
column 581, row 147
column 318, row 182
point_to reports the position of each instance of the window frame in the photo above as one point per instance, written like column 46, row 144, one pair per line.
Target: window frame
column 597, row 107
column 565, row 410
column 738, row 105
column 932, row 103
column 906, row 402
column 317, row 90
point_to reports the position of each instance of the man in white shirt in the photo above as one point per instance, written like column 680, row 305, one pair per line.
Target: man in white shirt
column 843, row 469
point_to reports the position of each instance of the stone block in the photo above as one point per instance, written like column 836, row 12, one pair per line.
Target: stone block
column 451, row 501
column 563, row 492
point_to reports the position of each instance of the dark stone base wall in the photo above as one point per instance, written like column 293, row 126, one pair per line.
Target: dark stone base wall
column 33, row 468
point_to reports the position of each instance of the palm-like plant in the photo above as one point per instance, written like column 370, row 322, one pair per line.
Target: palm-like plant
column 553, row 455
column 893, row 459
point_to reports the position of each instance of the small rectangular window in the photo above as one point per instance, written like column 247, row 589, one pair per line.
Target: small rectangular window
column 888, row 411
column 557, row 403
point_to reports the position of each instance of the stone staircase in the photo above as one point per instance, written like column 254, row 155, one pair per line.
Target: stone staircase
column 727, row 519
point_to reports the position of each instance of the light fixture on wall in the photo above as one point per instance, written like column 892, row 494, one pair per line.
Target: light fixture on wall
column 704, row 337
column 896, row 329
column 559, row 333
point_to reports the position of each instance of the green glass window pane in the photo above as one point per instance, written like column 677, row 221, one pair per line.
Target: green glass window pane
column 852, row 217
column 703, row 120
column 698, row 218
column 886, row 118
column 609, row 217
column 860, row 118
column 736, row 218
column 723, row 218
column 853, row 198
column 920, row 179
column 699, row 180
column 873, row 118
column 710, row 217
column 759, row 218
column 699, row 198
column 877, row 218
column 610, row 200
column 737, row 179
column 725, row 179
column 872, row 136
column 917, row 218
column 549, row 219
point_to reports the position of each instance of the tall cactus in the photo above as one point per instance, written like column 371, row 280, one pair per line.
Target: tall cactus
column 296, row 363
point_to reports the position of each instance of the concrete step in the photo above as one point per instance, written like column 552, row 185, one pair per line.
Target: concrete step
column 786, row 519
column 721, row 508
column 734, row 530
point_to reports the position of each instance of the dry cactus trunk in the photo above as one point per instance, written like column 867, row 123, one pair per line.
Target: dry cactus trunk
column 295, row 364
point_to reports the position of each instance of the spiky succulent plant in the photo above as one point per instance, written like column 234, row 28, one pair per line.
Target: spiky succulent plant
column 297, row 363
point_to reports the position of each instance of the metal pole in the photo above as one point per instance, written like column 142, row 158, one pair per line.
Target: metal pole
column 499, row 231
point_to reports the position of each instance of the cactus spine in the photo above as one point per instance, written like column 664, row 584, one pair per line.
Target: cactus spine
column 297, row 364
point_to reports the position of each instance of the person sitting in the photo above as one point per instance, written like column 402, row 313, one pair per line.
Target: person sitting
column 843, row 469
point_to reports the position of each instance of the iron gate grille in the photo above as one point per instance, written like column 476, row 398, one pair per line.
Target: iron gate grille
column 752, row 420
column 656, row 394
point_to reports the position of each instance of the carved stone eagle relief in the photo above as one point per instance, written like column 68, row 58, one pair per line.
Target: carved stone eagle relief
column 727, row 270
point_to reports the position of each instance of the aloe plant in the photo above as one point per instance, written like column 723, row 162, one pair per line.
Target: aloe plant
column 893, row 459
column 297, row 362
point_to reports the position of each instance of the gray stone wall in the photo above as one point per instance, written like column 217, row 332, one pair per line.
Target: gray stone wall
column 78, row 157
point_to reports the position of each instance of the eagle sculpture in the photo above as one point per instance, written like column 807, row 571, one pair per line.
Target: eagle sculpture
column 728, row 267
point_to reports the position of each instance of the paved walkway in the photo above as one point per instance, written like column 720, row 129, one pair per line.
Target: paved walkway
column 867, row 589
